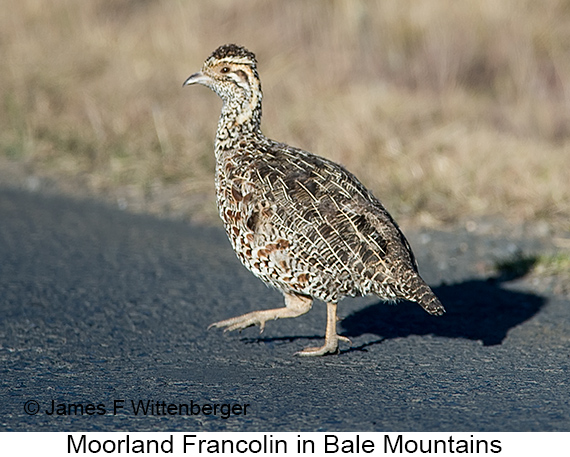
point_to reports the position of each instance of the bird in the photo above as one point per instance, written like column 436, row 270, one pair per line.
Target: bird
column 301, row 223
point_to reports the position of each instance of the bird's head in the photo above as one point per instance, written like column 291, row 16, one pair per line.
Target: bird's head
column 231, row 72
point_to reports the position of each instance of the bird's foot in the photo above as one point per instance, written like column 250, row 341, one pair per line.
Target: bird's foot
column 244, row 321
column 295, row 306
column 330, row 347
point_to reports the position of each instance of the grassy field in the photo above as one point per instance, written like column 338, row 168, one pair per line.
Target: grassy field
column 445, row 109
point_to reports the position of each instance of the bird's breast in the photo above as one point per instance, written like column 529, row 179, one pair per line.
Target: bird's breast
column 254, row 225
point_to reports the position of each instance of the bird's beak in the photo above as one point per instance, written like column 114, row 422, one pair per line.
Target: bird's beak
column 198, row 78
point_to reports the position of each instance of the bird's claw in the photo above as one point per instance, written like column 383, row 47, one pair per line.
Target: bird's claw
column 239, row 323
column 330, row 347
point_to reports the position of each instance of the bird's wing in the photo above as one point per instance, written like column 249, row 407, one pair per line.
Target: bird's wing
column 330, row 212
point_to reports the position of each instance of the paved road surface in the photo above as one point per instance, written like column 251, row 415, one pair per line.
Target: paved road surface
column 98, row 306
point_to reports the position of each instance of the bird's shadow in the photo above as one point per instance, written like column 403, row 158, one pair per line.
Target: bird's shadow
column 477, row 309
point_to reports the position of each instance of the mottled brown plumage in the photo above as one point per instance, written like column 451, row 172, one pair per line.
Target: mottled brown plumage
column 299, row 222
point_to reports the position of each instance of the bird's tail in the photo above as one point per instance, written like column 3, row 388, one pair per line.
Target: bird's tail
column 422, row 294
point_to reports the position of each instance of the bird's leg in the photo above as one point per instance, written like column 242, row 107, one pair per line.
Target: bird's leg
column 331, row 337
column 295, row 305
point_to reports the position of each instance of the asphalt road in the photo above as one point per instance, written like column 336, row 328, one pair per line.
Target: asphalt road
column 104, row 308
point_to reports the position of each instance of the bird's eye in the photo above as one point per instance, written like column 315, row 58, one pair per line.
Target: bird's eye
column 225, row 69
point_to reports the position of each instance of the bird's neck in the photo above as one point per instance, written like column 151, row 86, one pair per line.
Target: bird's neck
column 241, row 117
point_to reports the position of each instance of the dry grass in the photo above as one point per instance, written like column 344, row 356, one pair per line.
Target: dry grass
column 445, row 109
column 550, row 271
